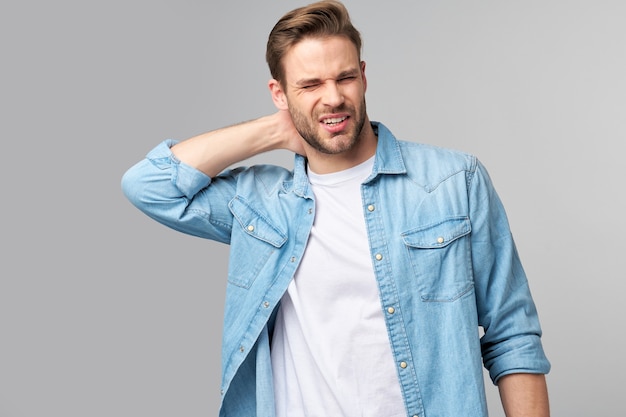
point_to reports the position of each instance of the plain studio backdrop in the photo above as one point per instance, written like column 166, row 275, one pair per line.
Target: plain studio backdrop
column 104, row 312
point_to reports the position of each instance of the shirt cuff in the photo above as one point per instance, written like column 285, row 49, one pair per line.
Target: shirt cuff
column 186, row 178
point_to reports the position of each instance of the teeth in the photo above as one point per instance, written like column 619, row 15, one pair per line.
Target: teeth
column 334, row 120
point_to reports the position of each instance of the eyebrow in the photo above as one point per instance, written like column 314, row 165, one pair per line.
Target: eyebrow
column 312, row 81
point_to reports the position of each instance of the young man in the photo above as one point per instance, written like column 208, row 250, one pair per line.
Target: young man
column 358, row 280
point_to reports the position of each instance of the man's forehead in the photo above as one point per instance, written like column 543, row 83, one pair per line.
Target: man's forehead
column 322, row 45
column 316, row 58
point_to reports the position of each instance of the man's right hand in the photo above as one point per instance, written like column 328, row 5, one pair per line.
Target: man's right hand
column 291, row 138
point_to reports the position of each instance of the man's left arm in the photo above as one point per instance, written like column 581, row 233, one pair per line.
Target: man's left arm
column 524, row 395
column 511, row 344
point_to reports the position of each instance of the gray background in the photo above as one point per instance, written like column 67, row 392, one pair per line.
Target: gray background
column 105, row 313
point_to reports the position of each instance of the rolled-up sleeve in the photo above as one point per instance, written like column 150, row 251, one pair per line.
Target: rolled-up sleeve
column 512, row 339
column 178, row 195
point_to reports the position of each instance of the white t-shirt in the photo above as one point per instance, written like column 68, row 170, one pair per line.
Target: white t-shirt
column 331, row 355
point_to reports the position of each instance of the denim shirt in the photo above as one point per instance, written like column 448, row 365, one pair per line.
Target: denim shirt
column 441, row 248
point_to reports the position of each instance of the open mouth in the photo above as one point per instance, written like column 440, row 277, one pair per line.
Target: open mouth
column 335, row 124
column 334, row 121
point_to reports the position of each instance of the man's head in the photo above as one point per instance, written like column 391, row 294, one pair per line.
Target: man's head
column 314, row 54
column 318, row 20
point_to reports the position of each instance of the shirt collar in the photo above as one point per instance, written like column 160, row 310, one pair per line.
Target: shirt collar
column 388, row 155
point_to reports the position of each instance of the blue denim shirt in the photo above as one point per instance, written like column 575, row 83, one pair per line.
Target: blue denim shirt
column 441, row 248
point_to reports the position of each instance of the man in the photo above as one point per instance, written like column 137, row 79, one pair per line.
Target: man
column 358, row 280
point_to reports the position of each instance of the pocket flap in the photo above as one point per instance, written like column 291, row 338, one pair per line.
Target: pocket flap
column 437, row 235
column 255, row 224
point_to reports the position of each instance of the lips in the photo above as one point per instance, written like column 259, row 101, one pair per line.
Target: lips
column 334, row 123
column 334, row 120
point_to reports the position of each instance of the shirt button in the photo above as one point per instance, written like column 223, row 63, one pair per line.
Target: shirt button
column 403, row 365
column 250, row 228
column 391, row 310
column 266, row 304
column 440, row 240
column 379, row 257
column 371, row 207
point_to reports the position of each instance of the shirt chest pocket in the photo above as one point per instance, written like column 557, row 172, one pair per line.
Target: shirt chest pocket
column 440, row 257
column 254, row 241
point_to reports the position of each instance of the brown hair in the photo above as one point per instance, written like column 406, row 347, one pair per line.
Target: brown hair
column 320, row 19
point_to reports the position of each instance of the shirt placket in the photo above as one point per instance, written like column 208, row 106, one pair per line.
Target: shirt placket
column 374, row 209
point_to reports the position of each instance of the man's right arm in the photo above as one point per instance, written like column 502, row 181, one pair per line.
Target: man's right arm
column 212, row 152
column 176, row 184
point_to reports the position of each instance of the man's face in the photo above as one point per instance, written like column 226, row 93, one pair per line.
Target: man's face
column 325, row 90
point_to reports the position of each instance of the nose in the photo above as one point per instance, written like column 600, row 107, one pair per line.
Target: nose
column 333, row 96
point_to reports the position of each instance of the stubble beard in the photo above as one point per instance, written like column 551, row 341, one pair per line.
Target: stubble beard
column 308, row 128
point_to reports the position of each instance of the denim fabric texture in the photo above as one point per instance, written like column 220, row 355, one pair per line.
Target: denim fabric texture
column 441, row 248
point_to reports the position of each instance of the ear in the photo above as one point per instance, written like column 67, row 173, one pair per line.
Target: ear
column 363, row 75
column 278, row 95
